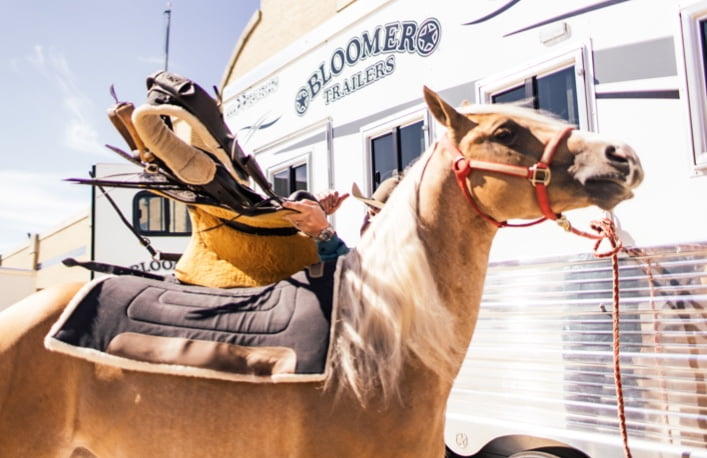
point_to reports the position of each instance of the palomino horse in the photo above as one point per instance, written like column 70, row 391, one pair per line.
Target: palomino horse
column 408, row 296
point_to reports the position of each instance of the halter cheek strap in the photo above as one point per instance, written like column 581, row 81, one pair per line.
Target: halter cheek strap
column 538, row 174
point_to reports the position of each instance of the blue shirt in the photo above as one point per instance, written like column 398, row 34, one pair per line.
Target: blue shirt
column 331, row 249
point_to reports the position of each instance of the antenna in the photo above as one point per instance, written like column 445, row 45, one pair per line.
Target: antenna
column 168, row 21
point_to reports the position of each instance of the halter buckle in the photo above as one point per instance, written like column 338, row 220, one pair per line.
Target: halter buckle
column 539, row 175
column 564, row 223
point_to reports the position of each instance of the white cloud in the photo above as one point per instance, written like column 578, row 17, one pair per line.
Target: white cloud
column 81, row 136
column 37, row 200
column 80, row 133
column 36, row 59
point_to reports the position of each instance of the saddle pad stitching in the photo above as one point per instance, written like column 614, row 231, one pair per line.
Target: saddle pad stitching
column 233, row 292
column 170, row 298
column 132, row 314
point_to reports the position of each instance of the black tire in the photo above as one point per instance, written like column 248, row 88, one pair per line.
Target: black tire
column 550, row 452
column 450, row 454
column 534, row 454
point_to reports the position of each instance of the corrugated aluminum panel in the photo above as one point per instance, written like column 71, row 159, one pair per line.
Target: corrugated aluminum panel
column 540, row 360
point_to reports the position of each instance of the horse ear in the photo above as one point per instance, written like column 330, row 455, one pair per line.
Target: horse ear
column 445, row 113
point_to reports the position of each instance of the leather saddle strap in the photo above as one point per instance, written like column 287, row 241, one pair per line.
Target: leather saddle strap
column 110, row 269
column 187, row 162
column 205, row 169
column 168, row 88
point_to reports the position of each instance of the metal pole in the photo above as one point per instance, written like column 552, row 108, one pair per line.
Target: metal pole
column 168, row 20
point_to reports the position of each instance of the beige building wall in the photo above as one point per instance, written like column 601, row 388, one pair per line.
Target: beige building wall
column 15, row 284
column 40, row 258
column 275, row 26
column 70, row 240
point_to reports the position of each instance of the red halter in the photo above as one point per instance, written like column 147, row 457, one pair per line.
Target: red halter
column 538, row 174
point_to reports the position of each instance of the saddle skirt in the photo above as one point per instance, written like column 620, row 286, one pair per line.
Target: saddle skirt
column 275, row 333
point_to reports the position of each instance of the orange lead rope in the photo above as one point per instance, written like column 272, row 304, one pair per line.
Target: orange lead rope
column 607, row 230
column 539, row 176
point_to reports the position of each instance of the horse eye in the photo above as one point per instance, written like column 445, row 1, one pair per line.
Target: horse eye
column 503, row 135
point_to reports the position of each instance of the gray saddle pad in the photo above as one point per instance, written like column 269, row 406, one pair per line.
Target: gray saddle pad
column 271, row 331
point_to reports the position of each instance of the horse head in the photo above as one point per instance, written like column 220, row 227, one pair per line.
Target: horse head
column 414, row 282
column 500, row 145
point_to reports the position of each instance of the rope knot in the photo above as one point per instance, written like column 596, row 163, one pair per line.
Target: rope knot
column 607, row 231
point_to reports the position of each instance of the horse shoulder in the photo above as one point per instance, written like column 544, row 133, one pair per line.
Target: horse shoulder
column 31, row 377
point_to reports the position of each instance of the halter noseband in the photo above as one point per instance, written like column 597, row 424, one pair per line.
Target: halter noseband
column 538, row 174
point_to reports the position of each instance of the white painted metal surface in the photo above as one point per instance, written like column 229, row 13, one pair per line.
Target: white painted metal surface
column 539, row 366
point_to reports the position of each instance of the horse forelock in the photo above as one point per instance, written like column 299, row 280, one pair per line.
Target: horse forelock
column 515, row 110
column 389, row 306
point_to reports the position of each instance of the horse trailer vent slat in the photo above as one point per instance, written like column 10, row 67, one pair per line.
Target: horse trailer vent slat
column 542, row 347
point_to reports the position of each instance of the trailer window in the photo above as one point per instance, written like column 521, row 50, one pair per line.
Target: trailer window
column 393, row 151
column 290, row 179
column 557, row 85
column 693, row 21
column 556, row 93
column 155, row 215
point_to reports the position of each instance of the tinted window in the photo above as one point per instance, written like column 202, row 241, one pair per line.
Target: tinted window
column 556, row 93
column 157, row 215
column 703, row 39
column 511, row 95
column 394, row 151
column 300, row 177
column 412, row 142
column 385, row 160
column 281, row 182
column 291, row 179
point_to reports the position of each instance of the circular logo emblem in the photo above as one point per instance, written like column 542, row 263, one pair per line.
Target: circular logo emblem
column 427, row 38
column 462, row 440
column 302, row 101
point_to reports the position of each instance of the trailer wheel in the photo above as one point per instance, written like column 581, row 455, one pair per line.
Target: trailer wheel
column 550, row 452
column 493, row 451
column 450, row 454
column 524, row 454
column 534, row 454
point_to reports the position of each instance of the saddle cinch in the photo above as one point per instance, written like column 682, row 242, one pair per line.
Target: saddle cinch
column 240, row 284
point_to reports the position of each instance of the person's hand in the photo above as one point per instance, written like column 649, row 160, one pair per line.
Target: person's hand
column 311, row 218
column 331, row 201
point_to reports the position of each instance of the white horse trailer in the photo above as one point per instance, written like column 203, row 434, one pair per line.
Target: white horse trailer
column 343, row 105
column 162, row 223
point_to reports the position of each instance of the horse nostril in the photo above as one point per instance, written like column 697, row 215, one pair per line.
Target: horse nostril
column 614, row 155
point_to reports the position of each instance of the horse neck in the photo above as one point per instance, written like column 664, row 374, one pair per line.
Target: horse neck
column 457, row 241
column 417, row 271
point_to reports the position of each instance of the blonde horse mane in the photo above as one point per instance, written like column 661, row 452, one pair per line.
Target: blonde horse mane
column 390, row 309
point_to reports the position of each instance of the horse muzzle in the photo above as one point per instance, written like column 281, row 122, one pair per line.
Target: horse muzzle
column 612, row 177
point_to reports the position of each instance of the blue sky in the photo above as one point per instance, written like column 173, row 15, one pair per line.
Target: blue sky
column 57, row 62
